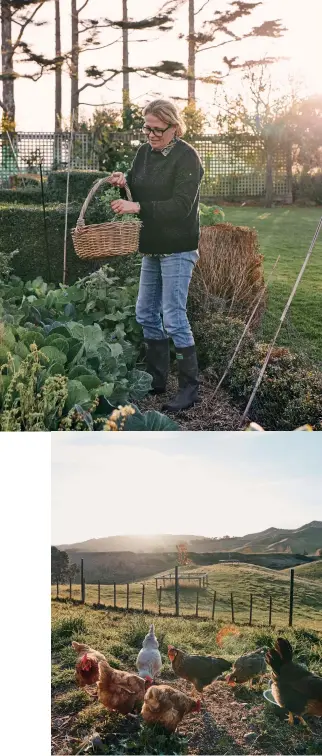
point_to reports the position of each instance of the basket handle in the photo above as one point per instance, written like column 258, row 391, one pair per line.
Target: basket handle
column 81, row 220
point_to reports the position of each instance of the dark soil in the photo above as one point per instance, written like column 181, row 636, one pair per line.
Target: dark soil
column 210, row 414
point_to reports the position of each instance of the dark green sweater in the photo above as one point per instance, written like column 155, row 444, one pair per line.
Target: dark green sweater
column 167, row 186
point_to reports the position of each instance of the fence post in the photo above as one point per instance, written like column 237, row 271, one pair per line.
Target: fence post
column 199, row 582
column 214, row 606
column 160, row 598
column 197, row 603
column 83, row 599
column 57, row 588
column 270, row 611
column 143, row 592
column 127, row 596
column 177, row 590
column 251, row 609
column 232, row 608
column 99, row 593
column 82, row 581
column 164, row 582
column 114, row 595
column 70, row 588
column 290, row 621
column 156, row 584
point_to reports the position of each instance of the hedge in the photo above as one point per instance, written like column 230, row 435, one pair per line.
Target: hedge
column 21, row 196
column 23, row 228
column 80, row 182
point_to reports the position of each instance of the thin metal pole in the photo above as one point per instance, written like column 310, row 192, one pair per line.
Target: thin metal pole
column 45, row 221
column 246, row 329
column 70, row 148
column 282, row 318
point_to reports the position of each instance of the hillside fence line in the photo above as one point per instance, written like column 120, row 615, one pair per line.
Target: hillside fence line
column 162, row 609
column 236, row 166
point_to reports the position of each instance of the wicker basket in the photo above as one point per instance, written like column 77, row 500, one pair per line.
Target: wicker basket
column 105, row 239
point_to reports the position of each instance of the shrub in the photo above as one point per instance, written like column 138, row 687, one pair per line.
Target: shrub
column 27, row 196
column 290, row 394
column 308, row 187
column 80, row 183
column 22, row 228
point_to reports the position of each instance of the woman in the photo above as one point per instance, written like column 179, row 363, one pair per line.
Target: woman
column 164, row 181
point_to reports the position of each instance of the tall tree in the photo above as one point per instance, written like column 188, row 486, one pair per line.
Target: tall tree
column 62, row 569
column 7, row 75
column 97, row 78
column 217, row 32
column 191, row 54
column 20, row 14
column 125, row 61
column 58, row 70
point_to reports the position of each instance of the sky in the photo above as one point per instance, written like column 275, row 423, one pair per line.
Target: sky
column 210, row 484
column 301, row 44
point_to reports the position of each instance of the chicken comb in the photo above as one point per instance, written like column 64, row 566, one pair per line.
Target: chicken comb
column 198, row 706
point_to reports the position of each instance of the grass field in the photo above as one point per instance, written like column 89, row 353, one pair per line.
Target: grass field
column 288, row 232
column 242, row 579
column 232, row 720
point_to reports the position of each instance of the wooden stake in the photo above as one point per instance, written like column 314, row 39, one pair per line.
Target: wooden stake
column 214, row 606
column 232, row 608
column 290, row 620
column 270, row 611
column 177, row 590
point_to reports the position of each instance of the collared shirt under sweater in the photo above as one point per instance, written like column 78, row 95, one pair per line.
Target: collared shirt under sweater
column 167, row 185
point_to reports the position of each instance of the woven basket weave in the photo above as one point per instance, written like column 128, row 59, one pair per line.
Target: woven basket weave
column 105, row 239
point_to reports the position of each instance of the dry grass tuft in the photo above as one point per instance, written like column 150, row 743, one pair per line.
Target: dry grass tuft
column 229, row 274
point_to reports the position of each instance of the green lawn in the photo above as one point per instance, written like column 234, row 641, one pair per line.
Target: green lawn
column 288, row 232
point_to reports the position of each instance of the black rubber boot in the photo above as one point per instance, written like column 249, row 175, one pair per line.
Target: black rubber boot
column 188, row 380
column 158, row 363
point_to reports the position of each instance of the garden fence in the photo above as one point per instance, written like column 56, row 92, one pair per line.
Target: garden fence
column 132, row 597
column 236, row 166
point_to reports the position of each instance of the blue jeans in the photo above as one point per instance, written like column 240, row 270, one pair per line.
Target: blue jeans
column 161, row 308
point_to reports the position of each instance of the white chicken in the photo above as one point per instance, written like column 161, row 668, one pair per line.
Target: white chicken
column 149, row 662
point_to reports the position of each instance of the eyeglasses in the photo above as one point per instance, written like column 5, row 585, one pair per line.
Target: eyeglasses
column 157, row 132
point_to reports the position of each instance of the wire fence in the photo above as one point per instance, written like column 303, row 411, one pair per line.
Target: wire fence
column 264, row 607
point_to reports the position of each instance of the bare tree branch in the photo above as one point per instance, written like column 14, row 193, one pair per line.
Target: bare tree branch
column 202, row 7
column 82, row 7
column 211, row 47
column 24, row 25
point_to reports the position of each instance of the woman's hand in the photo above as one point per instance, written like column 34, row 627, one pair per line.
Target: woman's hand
column 124, row 206
column 117, row 179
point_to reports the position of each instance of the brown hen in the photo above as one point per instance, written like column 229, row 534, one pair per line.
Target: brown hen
column 167, row 706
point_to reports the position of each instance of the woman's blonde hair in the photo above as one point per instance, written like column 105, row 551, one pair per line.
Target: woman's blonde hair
column 167, row 112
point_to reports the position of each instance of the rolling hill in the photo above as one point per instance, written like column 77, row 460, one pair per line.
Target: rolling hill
column 304, row 540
